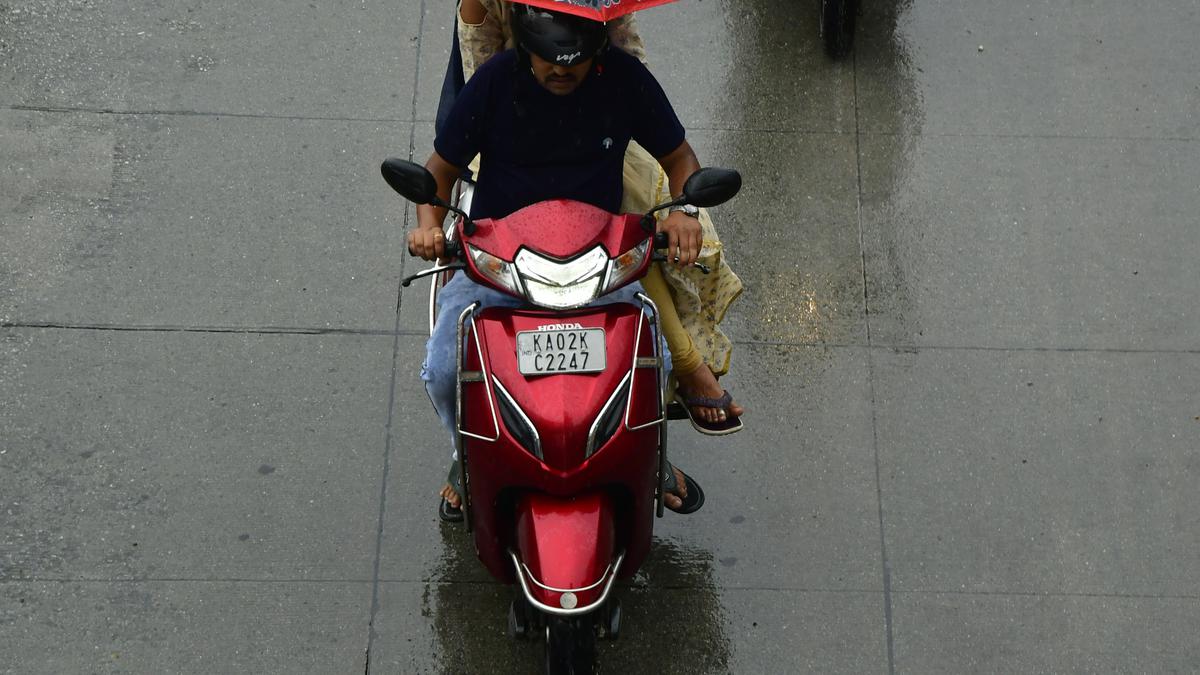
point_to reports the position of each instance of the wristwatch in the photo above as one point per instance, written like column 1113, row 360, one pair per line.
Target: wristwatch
column 688, row 210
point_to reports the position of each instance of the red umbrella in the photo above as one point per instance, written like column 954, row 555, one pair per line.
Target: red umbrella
column 600, row 10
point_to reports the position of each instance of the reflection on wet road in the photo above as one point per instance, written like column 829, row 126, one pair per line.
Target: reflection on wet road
column 672, row 616
column 796, row 232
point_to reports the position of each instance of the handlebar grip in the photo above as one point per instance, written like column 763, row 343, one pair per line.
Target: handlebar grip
column 661, row 240
column 453, row 250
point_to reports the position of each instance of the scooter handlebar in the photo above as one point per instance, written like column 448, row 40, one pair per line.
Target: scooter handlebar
column 454, row 253
column 660, row 244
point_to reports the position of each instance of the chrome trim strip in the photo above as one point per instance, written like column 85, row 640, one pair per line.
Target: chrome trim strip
column 660, row 494
column 591, row 437
column 637, row 343
column 438, row 274
column 662, row 416
column 491, row 401
column 566, row 590
column 433, row 293
column 464, row 192
column 460, row 448
column 559, row 611
column 537, row 439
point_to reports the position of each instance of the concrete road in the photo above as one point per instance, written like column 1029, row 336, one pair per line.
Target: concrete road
column 970, row 344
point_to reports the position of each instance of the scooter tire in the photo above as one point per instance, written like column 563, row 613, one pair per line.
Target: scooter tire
column 570, row 646
column 837, row 26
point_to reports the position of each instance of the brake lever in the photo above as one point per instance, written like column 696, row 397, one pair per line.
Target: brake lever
column 661, row 257
column 432, row 270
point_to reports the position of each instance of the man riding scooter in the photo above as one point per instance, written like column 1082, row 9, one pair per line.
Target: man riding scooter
column 550, row 120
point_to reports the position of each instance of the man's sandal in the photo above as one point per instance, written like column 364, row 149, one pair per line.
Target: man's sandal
column 731, row 424
column 452, row 514
column 695, row 496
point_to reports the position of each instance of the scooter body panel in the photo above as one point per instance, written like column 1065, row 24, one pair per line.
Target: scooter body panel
column 564, row 409
column 562, row 229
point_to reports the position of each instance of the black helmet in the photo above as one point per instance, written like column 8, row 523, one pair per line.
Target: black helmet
column 559, row 38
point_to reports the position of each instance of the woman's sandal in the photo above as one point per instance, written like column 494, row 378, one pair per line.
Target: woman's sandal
column 452, row 514
column 731, row 424
column 695, row 496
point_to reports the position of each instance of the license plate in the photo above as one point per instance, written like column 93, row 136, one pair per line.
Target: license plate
column 547, row 352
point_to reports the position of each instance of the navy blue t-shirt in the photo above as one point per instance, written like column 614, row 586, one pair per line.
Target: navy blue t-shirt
column 536, row 145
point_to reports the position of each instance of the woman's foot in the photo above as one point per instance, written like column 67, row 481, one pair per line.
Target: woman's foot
column 701, row 383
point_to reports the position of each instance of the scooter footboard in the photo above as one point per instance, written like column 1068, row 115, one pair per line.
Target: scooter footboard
column 566, row 559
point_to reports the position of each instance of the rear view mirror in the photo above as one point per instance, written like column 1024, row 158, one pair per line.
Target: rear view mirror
column 417, row 185
column 411, row 180
column 711, row 187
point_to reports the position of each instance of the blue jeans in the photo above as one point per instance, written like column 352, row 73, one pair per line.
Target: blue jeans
column 438, row 371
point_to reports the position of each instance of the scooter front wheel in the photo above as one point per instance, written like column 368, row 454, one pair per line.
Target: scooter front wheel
column 570, row 646
column 837, row 26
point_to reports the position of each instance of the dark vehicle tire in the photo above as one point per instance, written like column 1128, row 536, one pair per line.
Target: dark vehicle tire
column 570, row 646
column 837, row 26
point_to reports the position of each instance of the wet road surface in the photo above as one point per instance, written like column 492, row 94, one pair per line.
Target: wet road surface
column 969, row 344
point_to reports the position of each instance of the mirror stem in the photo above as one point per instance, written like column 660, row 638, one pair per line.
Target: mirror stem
column 648, row 219
column 468, row 224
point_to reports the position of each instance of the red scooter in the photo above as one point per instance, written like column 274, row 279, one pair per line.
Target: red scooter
column 561, row 433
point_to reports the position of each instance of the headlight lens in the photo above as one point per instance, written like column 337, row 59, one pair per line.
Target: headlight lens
column 498, row 271
column 562, row 284
column 626, row 265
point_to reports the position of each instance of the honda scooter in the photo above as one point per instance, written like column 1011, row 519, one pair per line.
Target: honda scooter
column 561, row 434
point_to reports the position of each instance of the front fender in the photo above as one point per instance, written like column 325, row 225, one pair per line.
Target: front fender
column 565, row 556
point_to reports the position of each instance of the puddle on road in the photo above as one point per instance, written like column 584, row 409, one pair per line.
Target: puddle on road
column 796, row 234
column 469, row 616
column 887, row 71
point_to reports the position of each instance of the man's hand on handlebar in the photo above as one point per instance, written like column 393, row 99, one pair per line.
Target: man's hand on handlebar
column 683, row 238
column 427, row 240
column 428, row 243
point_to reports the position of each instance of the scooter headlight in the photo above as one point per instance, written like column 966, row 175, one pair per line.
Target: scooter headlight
column 626, row 265
column 562, row 284
column 500, row 272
